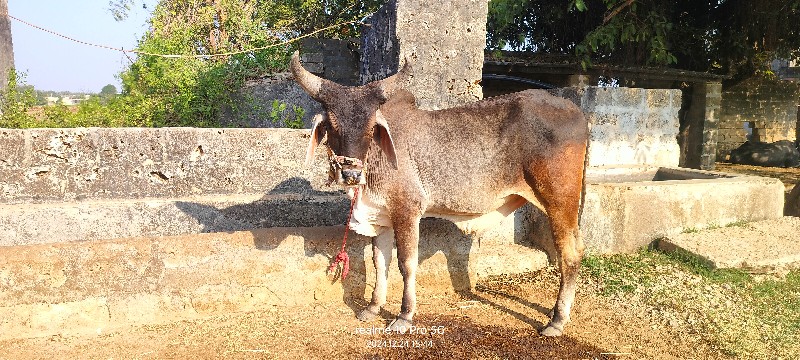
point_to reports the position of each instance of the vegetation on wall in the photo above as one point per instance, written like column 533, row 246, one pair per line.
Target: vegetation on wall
column 192, row 87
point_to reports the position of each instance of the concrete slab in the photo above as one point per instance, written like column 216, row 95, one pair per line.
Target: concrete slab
column 94, row 286
column 762, row 247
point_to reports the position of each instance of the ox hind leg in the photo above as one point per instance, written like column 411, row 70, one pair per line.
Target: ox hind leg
column 558, row 187
column 381, row 258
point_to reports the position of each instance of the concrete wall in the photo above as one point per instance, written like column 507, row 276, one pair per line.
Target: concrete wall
column 769, row 108
column 630, row 126
column 6, row 45
column 449, row 53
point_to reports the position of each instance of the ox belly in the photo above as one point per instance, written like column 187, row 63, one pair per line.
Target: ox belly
column 371, row 219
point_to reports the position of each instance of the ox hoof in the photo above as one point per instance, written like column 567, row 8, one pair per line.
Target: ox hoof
column 367, row 315
column 551, row 330
column 401, row 326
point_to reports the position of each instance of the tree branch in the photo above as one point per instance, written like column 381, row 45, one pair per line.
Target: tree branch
column 616, row 11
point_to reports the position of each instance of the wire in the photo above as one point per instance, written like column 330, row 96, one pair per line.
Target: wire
column 176, row 56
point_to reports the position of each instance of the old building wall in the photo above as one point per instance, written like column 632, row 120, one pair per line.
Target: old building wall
column 759, row 110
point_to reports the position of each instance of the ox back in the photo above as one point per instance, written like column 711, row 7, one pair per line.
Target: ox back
column 474, row 164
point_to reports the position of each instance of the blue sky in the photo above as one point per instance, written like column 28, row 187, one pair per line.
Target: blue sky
column 54, row 63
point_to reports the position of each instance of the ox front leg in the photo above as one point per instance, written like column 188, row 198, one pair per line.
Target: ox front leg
column 381, row 258
column 407, row 237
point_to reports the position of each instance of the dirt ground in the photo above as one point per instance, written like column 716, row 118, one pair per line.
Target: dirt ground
column 789, row 176
column 499, row 320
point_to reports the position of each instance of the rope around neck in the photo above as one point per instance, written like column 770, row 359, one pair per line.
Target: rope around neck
column 342, row 257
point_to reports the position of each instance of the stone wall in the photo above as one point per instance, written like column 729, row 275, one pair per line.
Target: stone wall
column 630, row 126
column 699, row 115
column 333, row 59
column 449, row 53
column 760, row 110
column 69, row 184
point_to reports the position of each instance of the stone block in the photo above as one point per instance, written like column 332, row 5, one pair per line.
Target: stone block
column 632, row 98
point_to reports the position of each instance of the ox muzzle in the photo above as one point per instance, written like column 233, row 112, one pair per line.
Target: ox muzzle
column 345, row 171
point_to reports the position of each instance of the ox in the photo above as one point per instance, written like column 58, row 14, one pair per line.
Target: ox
column 474, row 165
column 782, row 153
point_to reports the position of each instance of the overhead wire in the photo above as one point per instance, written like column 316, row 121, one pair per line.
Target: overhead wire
column 177, row 56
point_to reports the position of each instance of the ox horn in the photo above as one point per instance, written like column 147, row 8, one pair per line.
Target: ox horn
column 309, row 82
column 389, row 85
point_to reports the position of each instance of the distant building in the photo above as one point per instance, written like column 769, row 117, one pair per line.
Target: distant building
column 786, row 70
column 65, row 100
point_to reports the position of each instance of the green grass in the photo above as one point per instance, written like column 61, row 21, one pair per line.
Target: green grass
column 744, row 316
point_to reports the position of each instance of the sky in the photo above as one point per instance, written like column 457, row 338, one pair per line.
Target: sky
column 55, row 63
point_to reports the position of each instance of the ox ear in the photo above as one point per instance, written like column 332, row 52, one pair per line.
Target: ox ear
column 384, row 138
column 316, row 137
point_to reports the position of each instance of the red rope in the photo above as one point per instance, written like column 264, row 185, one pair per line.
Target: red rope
column 342, row 257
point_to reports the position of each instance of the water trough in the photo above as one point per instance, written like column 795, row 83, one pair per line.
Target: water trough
column 627, row 207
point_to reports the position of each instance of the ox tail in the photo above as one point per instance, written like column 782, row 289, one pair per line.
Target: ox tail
column 583, row 182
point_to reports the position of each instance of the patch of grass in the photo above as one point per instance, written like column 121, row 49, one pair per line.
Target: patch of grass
column 618, row 274
column 742, row 315
column 739, row 223
column 699, row 266
column 690, row 230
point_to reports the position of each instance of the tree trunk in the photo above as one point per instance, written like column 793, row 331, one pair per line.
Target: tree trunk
column 6, row 46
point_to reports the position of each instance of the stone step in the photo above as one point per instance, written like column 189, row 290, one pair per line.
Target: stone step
column 767, row 246
column 24, row 224
column 92, row 287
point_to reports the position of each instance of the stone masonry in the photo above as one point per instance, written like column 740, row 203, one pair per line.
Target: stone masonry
column 629, row 126
column 448, row 53
column 758, row 110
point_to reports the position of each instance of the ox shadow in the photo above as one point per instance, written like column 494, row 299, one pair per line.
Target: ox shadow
column 318, row 217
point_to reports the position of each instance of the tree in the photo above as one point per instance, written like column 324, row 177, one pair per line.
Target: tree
column 6, row 46
column 733, row 37
column 215, row 39
column 108, row 91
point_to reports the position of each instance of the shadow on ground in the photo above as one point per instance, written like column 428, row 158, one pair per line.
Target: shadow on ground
column 293, row 205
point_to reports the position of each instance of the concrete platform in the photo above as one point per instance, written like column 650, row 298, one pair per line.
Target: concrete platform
column 762, row 247
column 94, row 286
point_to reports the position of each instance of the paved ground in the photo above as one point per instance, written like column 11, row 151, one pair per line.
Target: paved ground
column 762, row 247
column 769, row 246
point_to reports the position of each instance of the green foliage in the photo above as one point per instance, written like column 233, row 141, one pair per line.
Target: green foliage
column 191, row 91
column 16, row 100
column 732, row 37
column 193, row 88
column 108, row 91
column 280, row 116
